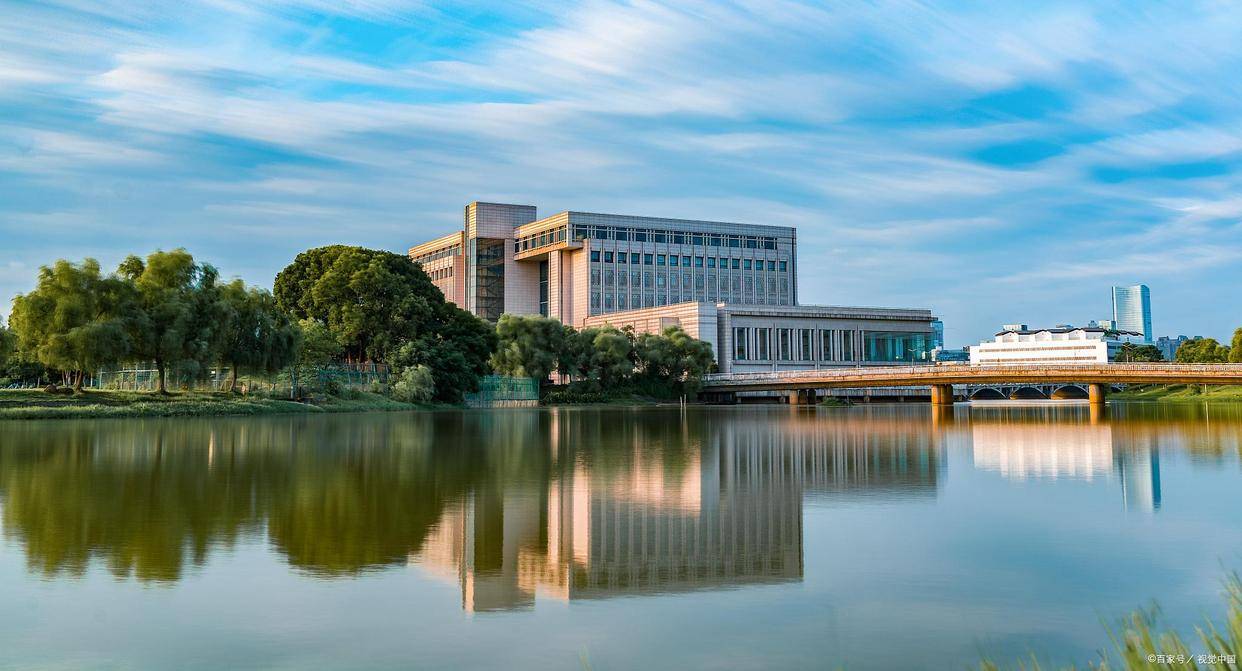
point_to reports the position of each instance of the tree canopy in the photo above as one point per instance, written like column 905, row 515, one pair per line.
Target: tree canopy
column 260, row 337
column 1130, row 353
column 1202, row 350
column 180, row 320
column 76, row 319
column 379, row 306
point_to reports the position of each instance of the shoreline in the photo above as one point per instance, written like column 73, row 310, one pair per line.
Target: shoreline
column 1181, row 393
column 93, row 404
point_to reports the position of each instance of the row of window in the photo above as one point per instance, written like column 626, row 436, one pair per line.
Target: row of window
column 625, row 234
column 540, row 239
column 634, row 258
column 604, row 303
column 660, row 279
column 806, row 344
column 453, row 250
column 441, row 274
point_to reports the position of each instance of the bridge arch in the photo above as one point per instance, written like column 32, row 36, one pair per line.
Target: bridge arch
column 988, row 394
column 1070, row 391
column 1027, row 394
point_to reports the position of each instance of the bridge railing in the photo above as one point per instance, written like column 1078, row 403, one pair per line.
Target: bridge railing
column 957, row 369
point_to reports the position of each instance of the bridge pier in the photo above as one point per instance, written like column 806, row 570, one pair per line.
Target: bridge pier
column 942, row 394
column 802, row 397
column 1096, row 393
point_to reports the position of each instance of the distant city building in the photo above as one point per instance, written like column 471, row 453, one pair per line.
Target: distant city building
column 1086, row 345
column 1106, row 324
column 733, row 285
column 1132, row 310
column 1168, row 346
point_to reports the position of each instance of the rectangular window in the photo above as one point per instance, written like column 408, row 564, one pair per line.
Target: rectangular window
column 784, row 266
column 623, row 234
column 847, row 346
column 713, row 241
column 607, row 257
column 698, row 262
column 806, row 344
column 660, row 281
column 621, row 301
column 594, row 256
column 608, row 277
column 607, row 301
column 763, row 344
column 647, row 259
column 737, row 264
column 769, row 243
column 660, row 259
column 746, row 264
column 740, row 336
column 784, row 347
column 685, row 261
column 711, row 262
column 672, row 260
column 735, row 241
column 679, row 239
column 661, row 237
column 771, row 266
column 697, row 239
column 825, row 345
column 751, row 243
column 622, row 256
column 634, row 258
column 640, row 236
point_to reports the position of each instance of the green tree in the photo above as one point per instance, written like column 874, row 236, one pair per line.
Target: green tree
column 1131, row 353
column 1202, row 350
column 1235, row 352
column 319, row 346
column 611, row 360
column 415, row 384
column 74, row 320
column 180, row 319
column 373, row 301
column 529, row 346
column 456, row 350
column 259, row 337
column 8, row 347
column 673, row 357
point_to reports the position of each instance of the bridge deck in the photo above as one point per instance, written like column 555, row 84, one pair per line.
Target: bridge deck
column 909, row 376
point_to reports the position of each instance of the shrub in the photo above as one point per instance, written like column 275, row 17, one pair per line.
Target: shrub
column 415, row 384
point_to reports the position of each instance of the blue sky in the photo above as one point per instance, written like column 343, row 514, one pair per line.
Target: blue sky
column 993, row 162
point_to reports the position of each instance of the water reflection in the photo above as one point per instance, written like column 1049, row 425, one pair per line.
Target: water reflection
column 566, row 504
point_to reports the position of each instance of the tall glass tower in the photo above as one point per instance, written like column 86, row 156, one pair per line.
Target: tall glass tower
column 1132, row 309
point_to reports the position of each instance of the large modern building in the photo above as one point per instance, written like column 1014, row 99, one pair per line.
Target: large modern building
column 1132, row 309
column 734, row 285
column 1018, row 345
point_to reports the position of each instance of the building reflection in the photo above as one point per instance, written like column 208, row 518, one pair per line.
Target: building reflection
column 696, row 506
column 1020, row 447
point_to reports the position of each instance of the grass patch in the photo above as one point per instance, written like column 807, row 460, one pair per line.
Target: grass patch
column 36, row 404
column 1137, row 643
column 1180, row 392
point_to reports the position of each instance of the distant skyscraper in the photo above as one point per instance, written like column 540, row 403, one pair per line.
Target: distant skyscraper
column 1132, row 309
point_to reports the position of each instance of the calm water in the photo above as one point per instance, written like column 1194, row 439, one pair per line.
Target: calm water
column 745, row 537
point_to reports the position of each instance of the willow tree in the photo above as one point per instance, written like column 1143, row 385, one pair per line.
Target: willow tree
column 75, row 320
column 180, row 319
column 258, row 336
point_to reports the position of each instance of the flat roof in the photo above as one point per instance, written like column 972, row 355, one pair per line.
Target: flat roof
column 1088, row 329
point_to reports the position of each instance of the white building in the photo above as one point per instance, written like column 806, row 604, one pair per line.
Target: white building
column 1082, row 345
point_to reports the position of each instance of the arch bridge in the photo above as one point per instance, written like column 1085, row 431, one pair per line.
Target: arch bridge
column 1096, row 379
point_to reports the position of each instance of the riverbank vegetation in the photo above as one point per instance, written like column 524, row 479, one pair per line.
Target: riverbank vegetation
column 173, row 320
column 1180, row 392
column 35, row 404
column 1138, row 644
column 600, row 364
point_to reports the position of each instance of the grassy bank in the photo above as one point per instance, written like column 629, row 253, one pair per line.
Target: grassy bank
column 35, row 404
column 1180, row 392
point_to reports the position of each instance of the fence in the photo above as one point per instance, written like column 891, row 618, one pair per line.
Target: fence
column 146, row 378
column 498, row 391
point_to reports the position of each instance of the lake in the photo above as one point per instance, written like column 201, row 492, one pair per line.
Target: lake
column 871, row 537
